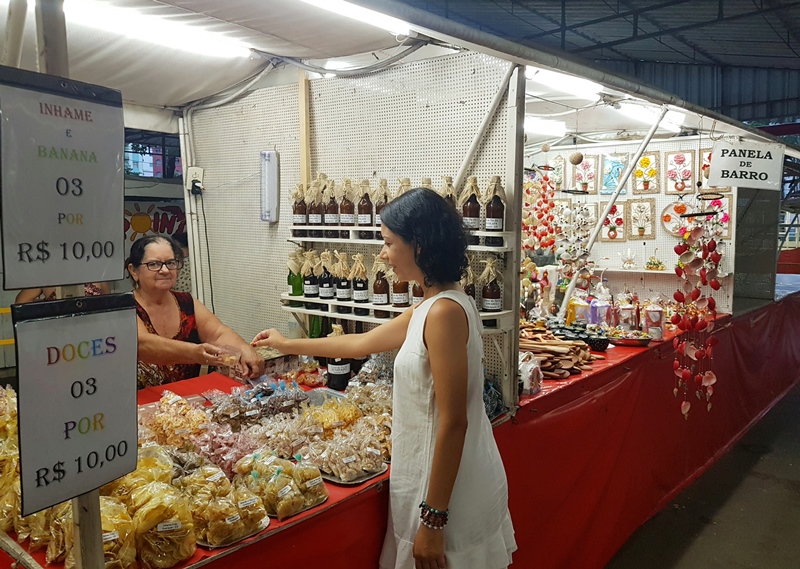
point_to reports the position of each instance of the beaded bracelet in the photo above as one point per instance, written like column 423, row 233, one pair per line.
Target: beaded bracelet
column 431, row 517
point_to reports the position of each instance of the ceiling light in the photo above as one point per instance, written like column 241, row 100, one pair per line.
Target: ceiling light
column 581, row 88
column 672, row 121
column 544, row 126
column 161, row 31
column 371, row 17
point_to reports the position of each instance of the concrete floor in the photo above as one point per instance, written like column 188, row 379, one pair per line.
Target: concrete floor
column 744, row 512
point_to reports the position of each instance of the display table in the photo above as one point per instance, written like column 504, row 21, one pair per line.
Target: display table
column 588, row 459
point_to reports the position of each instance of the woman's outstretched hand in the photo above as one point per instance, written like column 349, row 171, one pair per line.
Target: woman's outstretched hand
column 270, row 338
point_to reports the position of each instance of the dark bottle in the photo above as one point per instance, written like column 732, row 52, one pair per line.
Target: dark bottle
column 344, row 292
column 495, row 216
column 318, row 328
column 365, row 216
column 327, row 290
column 417, row 293
column 492, row 297
column 332, row 218
column 338, row 373
column 361, row 295
column 347, row 216
column 380, row 294
column 299, row 217
column 311, row 289
column 295, row 282
column 471, row 214
column 315, row 212
column 450, row 201
column 378, row 210
column 470, row 290
column 400, row 294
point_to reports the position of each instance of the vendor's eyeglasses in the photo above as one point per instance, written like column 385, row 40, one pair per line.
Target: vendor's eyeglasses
column 172, row 265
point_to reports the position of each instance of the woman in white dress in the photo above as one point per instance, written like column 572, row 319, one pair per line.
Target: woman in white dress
column 448, row 489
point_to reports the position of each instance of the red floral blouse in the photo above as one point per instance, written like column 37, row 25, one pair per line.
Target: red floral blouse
column 159, row 374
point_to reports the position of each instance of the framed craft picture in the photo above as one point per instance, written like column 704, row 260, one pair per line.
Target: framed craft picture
column 647, row 174
column 680, row 172
column 705, row 164
column 721, row 221
column 613, row 167
column 584, row 175
column 614, row 226
column 641, row 218
column 558, row 174
column 584, row 218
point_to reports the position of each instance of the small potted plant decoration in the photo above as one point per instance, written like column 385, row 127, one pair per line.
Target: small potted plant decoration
column 640, row 216
column 614, row 222
column 678, row 174
column 645, row 172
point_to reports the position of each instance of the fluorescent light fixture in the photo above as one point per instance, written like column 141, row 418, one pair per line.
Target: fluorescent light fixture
column 365, row 15
column 270, row 184
column 672, row 121
column 569, row 84
column 544, row 126
column 160, row 31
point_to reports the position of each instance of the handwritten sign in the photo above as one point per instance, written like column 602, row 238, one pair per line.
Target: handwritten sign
column 747, row 164
column 62, row 148
column 77, row 396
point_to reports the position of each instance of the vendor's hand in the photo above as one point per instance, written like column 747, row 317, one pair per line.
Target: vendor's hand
column 208, row 354
column 270, row 338
column 252, row 363
column 429, row 549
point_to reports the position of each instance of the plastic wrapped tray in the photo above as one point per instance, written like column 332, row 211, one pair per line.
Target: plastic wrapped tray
column 359, row 480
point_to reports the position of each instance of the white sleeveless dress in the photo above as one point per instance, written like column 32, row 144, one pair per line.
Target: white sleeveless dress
column 479, row 534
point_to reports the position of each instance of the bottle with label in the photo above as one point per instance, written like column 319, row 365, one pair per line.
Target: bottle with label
column 492, row 297
column 495, row 211
column 379, row 199
column 471, row 210
column 417, row 293
column 380, row 294
column 400, row 294
column 299, row 211
column 338, row 373
column 310, row 281
column 327, row 288
column 295, row 277
column 448, row 191
column 315, row 208
column 347, row 209
column 358, row 276
column 344, row 289
column 365, row 211
column 331, row 215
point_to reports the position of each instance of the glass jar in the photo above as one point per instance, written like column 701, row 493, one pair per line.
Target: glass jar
column 331, row 218
column 380, row 294
column 347, row 216
column 400, row 294
column 344, row 293
column 495, row 217
column 315, row 213
column 299, row 218
column 417, row 293
column 327, row 291
column 361, row 295
column 471, row 214
column 492, row 297
column 365, row 216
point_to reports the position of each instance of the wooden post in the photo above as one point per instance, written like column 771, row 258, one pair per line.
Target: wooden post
column 305, row 128
column 51, row 36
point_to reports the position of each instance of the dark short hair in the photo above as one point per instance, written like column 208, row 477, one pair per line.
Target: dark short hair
column 138, row 249
column 423, row 219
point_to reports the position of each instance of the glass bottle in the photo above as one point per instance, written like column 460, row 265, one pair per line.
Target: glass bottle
column 315, row 212
column 416, row 293
column 347, row 215
column 299, row 217
column 495, row 217
column 471, row 214
column 380, row 294
column 344, row 293
column 338, row 373
column 365, row 213
column 492, row 297
column 311, row 289
column 331, row 218
column 361, row 295
column 295, row 282
column 327, row 290
column 400, row 294
column 469, row 289
column 316, row 328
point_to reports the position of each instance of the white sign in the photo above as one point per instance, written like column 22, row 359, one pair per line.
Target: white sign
column 746, row 164
column 62, row 182
column 77, row 396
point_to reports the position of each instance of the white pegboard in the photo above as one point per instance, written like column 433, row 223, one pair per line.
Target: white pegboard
column 607, row 253
column 414, row 120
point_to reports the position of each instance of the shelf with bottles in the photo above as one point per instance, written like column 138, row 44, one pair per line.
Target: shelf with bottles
column 503, row 319
column 506, row 244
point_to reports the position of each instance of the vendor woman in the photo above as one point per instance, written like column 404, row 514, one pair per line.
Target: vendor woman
column 177, row 333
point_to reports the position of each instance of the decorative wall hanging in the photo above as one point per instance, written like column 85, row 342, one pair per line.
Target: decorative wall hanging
column 584, row 175
column 681, row 172
column 559, row 172
column 614, row 225
column 671, row 218
column 641, row 218
column 647, row 174
column 717, row 224
column 613, row 167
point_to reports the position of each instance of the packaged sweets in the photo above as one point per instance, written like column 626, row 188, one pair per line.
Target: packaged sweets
column 217, row 521
column 251, row 509
column 153, row 465
column 163, row 525
column 119, row 548
column 60, row 525
column 283, row 496
column 309, row 480
column 206, row 482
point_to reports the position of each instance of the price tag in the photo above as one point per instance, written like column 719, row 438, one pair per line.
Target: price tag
column 168, row 526
column 314, row 482
column 247, row 503
column 62, row 181
column 81, row 352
